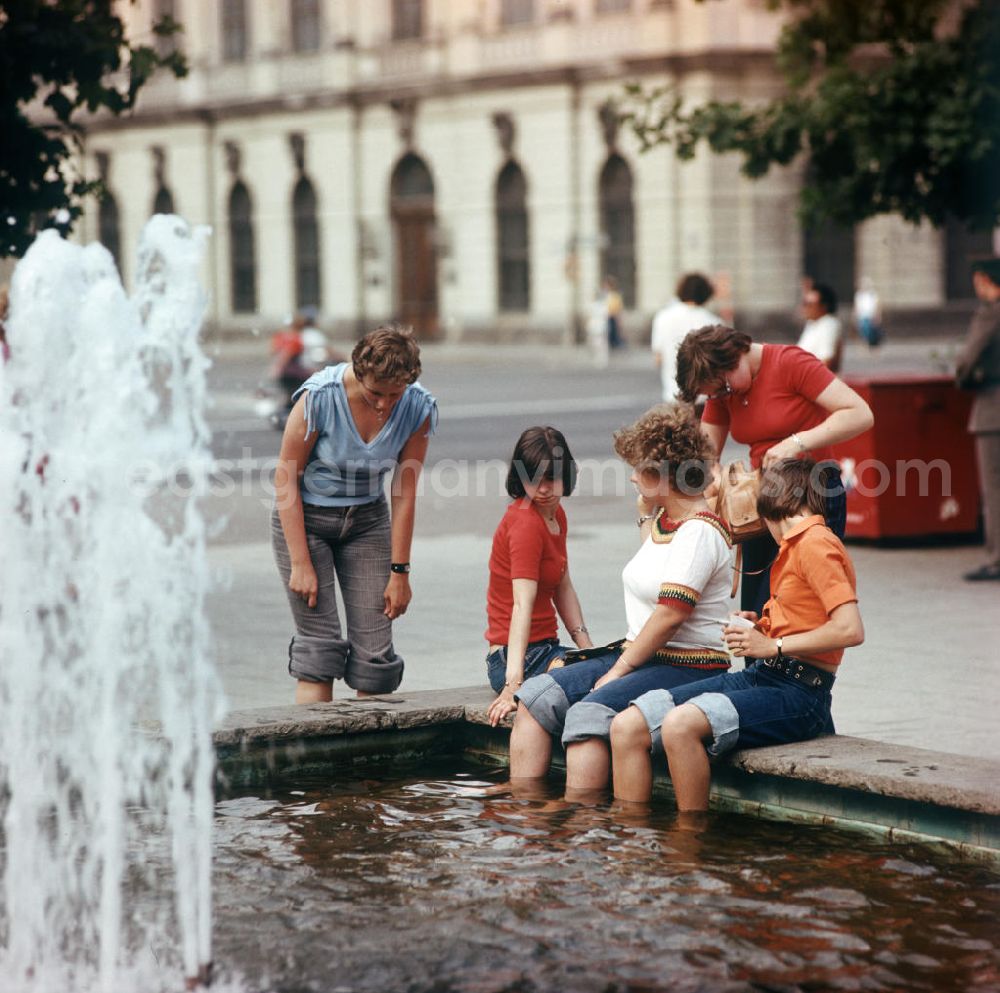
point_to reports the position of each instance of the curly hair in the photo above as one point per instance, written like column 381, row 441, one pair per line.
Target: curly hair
column 668, row 440
column 707, row 353
column 389, row 354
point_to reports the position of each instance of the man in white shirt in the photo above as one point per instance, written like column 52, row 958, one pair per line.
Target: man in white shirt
column 822, row 334
column 670, row 325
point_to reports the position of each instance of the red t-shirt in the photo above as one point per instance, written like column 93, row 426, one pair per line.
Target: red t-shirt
column 524, row 548
column 781, row 400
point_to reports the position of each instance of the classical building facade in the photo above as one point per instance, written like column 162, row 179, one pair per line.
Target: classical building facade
column 456, row 164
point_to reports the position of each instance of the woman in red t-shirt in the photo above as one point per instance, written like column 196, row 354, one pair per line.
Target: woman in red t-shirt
column 783, row 403
column 529, row 576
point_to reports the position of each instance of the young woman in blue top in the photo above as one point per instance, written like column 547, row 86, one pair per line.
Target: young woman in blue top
column 351, row 424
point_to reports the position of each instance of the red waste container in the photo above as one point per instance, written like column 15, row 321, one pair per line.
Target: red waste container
column 914, row 474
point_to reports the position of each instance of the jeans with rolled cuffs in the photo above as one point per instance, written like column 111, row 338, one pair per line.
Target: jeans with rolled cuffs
column 349, row 546
column 565, row 703
column 751, row 708
column 538, row 656
column 759, row 553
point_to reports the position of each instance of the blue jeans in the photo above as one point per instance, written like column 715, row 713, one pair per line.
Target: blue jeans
column 565, row 702
column 760, row 553
column 751, row 708
column 537, row 658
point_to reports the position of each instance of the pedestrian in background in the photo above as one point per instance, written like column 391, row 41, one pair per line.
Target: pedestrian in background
column 979, row 370
column 686, row 312
column 868, row 313
column 613, row 307
column 822, row 334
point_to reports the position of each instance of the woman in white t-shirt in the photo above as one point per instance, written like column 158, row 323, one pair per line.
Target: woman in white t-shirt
column 677, row 596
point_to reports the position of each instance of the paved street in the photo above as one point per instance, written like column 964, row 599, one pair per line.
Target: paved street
column 924, row 677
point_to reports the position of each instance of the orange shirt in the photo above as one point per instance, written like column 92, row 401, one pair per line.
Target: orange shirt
column 810, row 578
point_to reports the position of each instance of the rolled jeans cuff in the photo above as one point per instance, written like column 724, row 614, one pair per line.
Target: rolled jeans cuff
column 375, row 675
column 317, row 660
column 587, row 720
column 654, row 707
column 545, row 700
column 723, row 718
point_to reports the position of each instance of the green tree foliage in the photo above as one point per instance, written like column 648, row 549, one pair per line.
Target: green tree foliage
column 59, row 59
column 894, row 104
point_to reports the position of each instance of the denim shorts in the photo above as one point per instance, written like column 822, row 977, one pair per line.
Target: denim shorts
column 537, row 658
column 751, row 708
column 565, row 702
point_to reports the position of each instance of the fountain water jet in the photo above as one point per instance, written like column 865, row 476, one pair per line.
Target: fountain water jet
column 104, row 459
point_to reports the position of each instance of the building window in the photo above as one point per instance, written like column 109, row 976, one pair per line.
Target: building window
column 961, row 246
column 513, row 12
column 163, row 202
column 618, row 227
column 109, row 226
column 407, row 19
column 306, row 238
column 305, row 25
column 612, row 6
column 235, row 30
column 243, row 265
column 514, row 286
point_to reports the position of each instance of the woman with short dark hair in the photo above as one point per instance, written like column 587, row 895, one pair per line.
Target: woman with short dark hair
column 350, row 425
column 529, row 572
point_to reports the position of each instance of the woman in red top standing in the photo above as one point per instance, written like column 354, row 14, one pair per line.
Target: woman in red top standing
column 529, row 575
column 783, row 403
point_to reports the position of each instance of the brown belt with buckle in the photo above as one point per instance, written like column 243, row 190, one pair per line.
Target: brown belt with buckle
column 801, row 672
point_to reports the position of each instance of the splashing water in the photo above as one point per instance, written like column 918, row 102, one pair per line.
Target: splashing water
column 103, row 461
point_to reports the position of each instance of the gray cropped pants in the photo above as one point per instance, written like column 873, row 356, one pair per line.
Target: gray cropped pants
column 349, row 546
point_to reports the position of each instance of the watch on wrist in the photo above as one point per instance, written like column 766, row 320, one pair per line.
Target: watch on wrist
column 400, row 567
column 778, row 642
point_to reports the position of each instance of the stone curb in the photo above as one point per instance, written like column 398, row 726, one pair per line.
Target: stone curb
column 963, row 785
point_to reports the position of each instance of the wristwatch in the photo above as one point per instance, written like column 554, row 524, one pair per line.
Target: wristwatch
column 778, row 642
column 401, row 567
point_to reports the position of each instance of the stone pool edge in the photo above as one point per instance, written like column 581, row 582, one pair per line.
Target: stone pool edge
column 889, row 790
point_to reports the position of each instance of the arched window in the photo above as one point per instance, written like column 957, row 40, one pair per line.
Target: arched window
column 305, row 25
column 242, row 255
column 961, row 246
column 235, row 31
column 306, row 238
column 407, row 19
column 411, row 205
column 109, row 226
column 163, row 202
column 514, row 272
column 618, row 226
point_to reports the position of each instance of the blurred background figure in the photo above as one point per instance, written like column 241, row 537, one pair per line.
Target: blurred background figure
column 979, row 370
column 822, row 334
column 4, row 303
column 868, row 313
column 597, row 331
column 613, row 307
column 298, row 349
column 686, row 312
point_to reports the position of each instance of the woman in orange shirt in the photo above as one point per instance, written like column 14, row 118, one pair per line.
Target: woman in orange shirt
column 793, row 651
